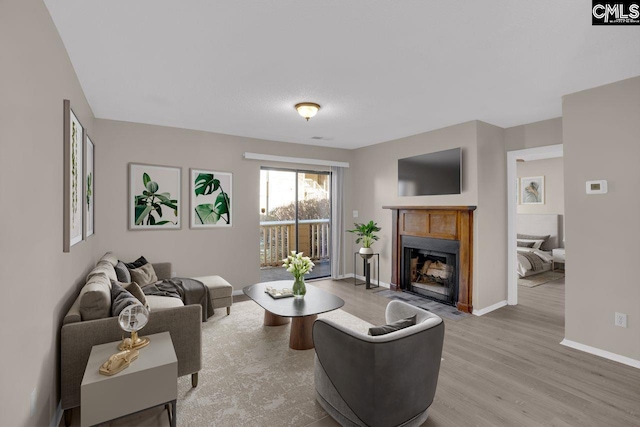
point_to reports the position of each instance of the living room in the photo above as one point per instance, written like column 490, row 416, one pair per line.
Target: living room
column 591, row 107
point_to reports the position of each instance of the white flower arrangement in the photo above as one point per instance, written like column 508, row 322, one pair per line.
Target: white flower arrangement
column 297, row 264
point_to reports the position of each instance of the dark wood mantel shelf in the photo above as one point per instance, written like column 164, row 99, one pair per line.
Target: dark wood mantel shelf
column 440, row 222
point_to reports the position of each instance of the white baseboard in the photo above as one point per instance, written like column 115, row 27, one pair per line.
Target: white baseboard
column 236, row 293
column 602, row 353
column 373, row 281
column 489, row 309
column 57, row 417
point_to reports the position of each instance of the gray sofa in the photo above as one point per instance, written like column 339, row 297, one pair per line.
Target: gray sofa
column 379, row 381
column 79, row 335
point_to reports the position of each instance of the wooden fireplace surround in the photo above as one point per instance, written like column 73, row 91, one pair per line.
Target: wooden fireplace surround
column 438, row 222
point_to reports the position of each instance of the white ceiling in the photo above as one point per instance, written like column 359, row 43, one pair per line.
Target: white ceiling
column 380, row 69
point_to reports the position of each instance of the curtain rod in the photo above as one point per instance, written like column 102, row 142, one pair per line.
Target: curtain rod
column 299, row 160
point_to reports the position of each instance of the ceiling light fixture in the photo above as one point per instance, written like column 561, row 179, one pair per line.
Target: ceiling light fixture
column 307, row 109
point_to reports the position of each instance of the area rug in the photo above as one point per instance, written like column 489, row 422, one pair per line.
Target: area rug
column 442, row 310
column 250, row 376
column 540, row 279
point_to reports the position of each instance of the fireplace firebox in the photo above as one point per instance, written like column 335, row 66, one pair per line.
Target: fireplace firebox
column 429, row 268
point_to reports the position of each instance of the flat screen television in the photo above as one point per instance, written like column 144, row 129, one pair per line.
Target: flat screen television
column 431, row 174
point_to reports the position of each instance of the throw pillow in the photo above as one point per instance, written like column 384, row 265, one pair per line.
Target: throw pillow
column 392, row 327
column 137, row 263
column 120, row 298
column 123, row 273
column 135, row 290
column 144, row 275
column 532, row 237
column 521, row 244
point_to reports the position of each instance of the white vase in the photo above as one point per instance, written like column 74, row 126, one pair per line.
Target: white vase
column 366, row 253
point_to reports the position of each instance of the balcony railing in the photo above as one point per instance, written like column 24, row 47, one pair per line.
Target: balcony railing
column 277, row 240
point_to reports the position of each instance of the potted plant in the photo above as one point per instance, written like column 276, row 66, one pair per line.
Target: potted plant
column 367, row 235
column 298, row 265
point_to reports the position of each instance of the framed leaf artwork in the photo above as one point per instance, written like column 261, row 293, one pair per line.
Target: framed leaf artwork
column 154, row 197
column 89, row 182
column 73, row 211
column 211, row 196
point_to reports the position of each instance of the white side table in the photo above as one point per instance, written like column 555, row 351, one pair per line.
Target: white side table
column 149, row 381
column 558, row 256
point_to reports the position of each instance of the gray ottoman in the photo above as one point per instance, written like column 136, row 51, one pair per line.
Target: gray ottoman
column 219, row 291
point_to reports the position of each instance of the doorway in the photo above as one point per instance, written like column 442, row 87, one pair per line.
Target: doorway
column 295, row 215
column 513, row 190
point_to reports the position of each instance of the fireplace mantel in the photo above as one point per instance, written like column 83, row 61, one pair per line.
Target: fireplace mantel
column 439, row 222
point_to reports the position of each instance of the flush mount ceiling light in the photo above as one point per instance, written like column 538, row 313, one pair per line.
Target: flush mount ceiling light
column 307, row 109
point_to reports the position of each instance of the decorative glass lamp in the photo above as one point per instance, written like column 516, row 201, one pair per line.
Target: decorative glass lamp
column 133, row 318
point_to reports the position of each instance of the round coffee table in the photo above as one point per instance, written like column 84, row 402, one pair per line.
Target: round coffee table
column 303, row 311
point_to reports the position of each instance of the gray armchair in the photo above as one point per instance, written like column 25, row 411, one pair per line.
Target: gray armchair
column 379, row 381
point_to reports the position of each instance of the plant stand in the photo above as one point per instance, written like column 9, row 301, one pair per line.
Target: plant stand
column 367, row 271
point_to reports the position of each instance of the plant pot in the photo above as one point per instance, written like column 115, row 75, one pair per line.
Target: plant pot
column 366, row 253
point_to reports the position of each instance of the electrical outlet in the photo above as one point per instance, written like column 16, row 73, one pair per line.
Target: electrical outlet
column 355, row 214
column 621, row 320
column 33, row 401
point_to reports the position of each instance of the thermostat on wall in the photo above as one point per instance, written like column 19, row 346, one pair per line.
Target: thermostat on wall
column 597, row 187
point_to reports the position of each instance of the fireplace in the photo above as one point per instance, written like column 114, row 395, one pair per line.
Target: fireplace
column 429, row 268
column 432, row 253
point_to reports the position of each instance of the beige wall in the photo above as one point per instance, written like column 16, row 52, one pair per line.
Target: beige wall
column 232, row 253
column 490, row 241
column 553, row 172
column 375, row 181
column 39, row 281
column 531, row 135
column 601, row 142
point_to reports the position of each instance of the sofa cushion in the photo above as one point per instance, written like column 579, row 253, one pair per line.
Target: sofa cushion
column 122, row 272
column 120, row 298
column 144, row 275
column 162, row 303
column 137, row 263
column 110, row 258
column 135, row 290
column 105, row 268
column 95, row 298
column 392, row 327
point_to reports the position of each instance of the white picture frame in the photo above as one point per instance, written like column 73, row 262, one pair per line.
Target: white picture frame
column 532, row 190
column 154, row 197
column 73, row 211
column 211, row 197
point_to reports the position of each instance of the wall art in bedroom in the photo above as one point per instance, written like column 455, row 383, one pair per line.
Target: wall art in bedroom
column 73, row 178
column 211, row 195
column 154, row 197
column 89, row 182
column 532, row 190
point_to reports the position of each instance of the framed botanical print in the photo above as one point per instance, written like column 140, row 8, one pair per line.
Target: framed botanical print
column 73, row 211
column 154, row 197
column 210, row 194
column 532, row 190
column 89, row 182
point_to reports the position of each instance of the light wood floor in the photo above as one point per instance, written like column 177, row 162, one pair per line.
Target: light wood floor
column 507, row 367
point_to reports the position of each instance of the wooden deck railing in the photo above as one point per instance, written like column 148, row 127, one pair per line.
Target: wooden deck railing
column 277, row 240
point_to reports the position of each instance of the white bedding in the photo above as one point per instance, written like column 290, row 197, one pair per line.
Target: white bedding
column 524, row 266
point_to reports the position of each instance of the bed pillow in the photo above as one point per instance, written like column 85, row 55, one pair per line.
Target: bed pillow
column 535, row 244
column 532, row 237
column 392, row 327
column 525, row 244
column 144, row 275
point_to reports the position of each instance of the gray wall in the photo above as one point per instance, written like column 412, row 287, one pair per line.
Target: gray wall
column 232, row 253
column 531, row 135
column 39, row 281
column 601, row 142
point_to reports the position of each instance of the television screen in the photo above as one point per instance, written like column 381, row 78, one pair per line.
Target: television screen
column 431, row 174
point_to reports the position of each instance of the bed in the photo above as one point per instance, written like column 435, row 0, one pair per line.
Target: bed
column 534, row 250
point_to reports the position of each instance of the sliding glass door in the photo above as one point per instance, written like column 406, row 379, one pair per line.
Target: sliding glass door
column 295, row 215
